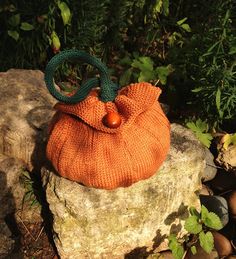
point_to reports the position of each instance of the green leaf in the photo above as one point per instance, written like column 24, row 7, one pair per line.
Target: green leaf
column 213, row 221
column 165, row 7
column 194, row 212
column 232, row 50
column 125, row 61
column 199, row 128
column 13, row 34
column 26, row 26
column 55, row 41
column 196, row 90
column 204, row 138
column 65, row 12
column 192, row 225
column 175, row 247
column 14, row 20
column 206, row 241
column 228, row 139
column 125, row 77
column 179, row 252
column 191, row 125
column 213, row 46
column 26, row 174
column 163, row 72
column 158, row 6
column 202, row 125
column 226, row 18
column 204, row 213
column 186, row 27
column 180, row 22
column 218, row 101
column 146, row 76
column 193, row 250
column 143, row 63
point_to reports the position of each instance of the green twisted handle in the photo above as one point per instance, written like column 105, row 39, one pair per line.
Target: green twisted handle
column 108, row 88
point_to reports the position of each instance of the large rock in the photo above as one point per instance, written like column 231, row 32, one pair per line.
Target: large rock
column 6, row 242
column 94, row 223
column 11, row 195
column 11, row 191
column 25, row 109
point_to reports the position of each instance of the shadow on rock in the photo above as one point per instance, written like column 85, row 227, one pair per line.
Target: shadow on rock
column 181, row 214
column 38, row 119
column 9, row 232
column 141, row 252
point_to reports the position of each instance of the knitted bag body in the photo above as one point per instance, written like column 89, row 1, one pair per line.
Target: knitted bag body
column 83, row 148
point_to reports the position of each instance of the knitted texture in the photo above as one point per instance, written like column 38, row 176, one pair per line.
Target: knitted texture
column 108, row 90
column 83, row 149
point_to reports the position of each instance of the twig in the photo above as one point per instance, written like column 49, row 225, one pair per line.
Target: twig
column 157, row 82
column 185, row 252
column 40, row 232
column 215, row 166
column 222, row 193
column 25, row 227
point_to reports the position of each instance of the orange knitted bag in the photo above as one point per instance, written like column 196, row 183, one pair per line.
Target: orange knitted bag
column 106, row 138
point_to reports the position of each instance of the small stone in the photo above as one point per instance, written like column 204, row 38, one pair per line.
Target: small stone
column 222, row 244
column 210, row 170
column 201, row 254
column 227, row 158
column 218, row 205
column 232, row 204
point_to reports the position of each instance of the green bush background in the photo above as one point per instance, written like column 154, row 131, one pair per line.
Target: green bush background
column 187, row 47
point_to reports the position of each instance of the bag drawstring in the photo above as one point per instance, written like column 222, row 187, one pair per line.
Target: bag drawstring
column 108, row 88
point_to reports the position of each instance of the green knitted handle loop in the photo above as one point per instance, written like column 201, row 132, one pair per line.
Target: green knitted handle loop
column 108, row 88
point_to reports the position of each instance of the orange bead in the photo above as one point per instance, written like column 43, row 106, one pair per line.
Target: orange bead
column 112, row 120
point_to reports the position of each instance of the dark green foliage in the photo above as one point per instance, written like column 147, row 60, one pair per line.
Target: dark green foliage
column 197, row 39
column 88, row 25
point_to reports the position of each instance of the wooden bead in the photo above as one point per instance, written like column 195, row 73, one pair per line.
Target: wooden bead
column 112, row 120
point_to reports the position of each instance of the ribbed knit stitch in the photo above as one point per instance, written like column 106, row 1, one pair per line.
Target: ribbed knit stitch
column 82, row 149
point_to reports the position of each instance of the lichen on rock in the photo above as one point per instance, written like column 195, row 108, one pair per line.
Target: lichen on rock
column 95, row 223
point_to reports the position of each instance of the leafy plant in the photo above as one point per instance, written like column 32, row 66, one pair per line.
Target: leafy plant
column 212, row 67
column 29, row 196
column 176, row 247
column 199, row 225
column 29, row 30
column 200, row 129
column 142, row 69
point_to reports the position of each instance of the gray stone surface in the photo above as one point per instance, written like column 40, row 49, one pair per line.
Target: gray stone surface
column 11, row 194
column 211, row 169
column 93, row 223
column 11, row 191
column 25, row 109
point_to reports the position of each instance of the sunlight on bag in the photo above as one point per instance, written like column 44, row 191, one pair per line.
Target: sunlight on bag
column 106, row 138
